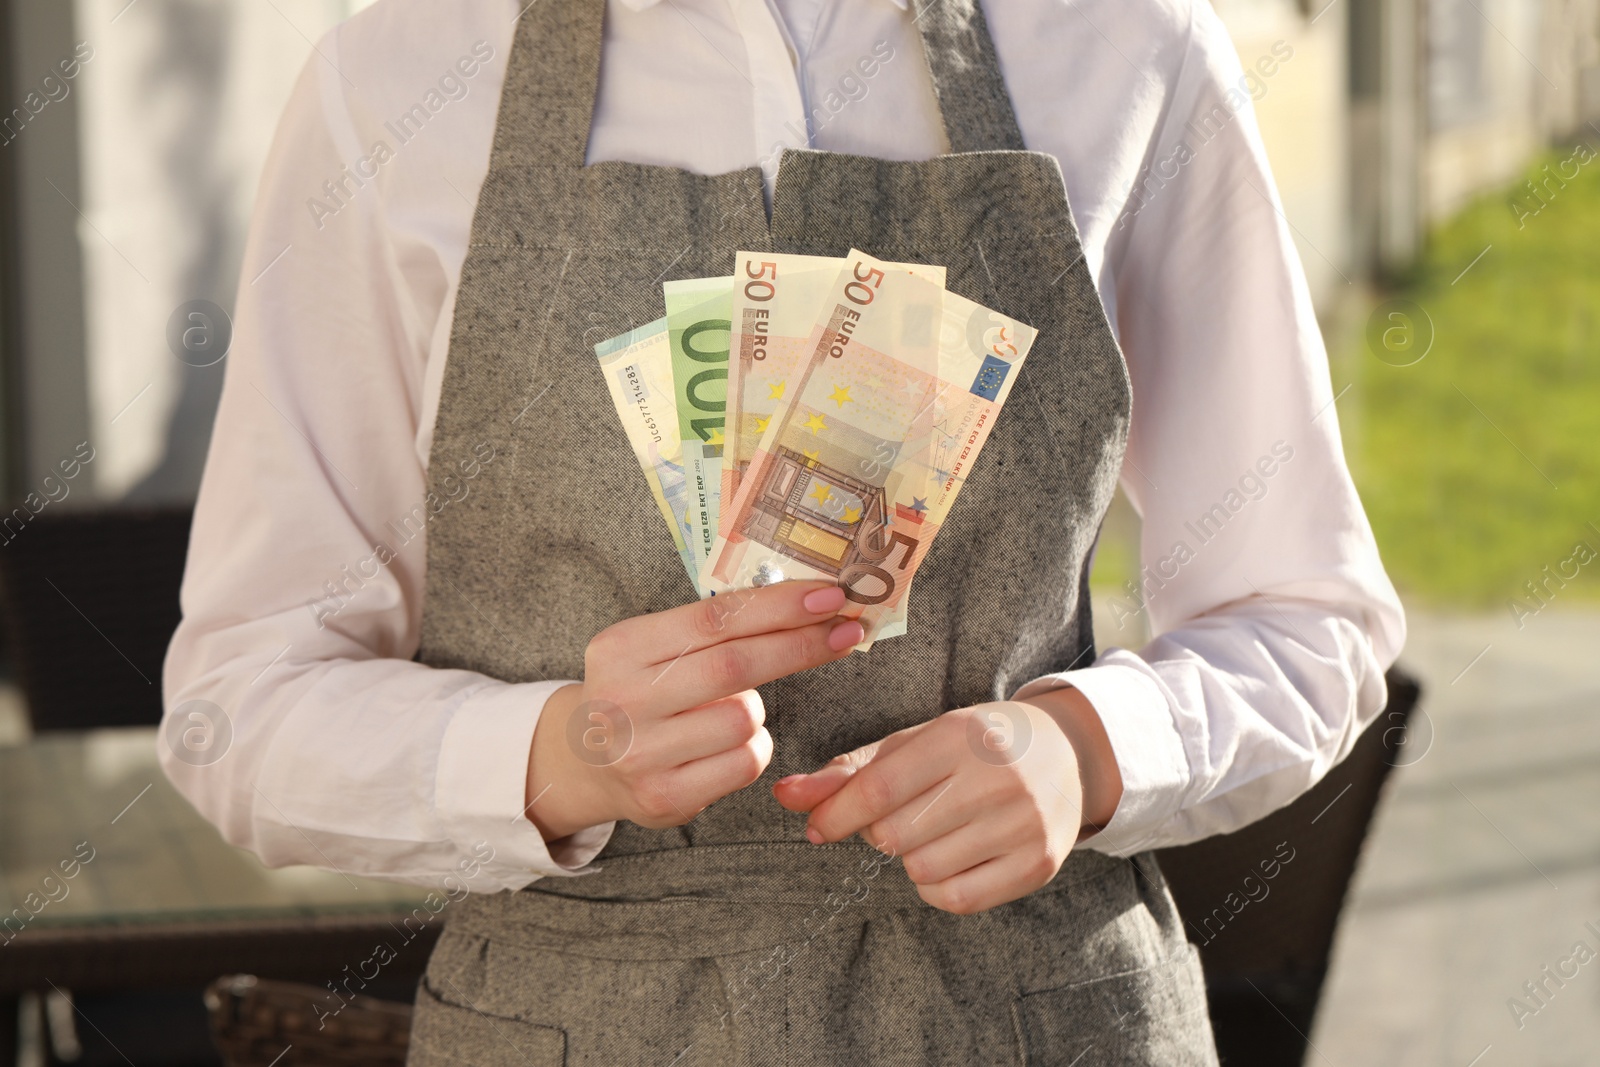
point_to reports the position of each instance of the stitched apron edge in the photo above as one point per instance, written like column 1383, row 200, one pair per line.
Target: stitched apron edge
column 738, row 905
column 728, row 872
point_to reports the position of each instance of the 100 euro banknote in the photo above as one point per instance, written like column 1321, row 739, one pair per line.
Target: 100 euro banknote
column 698, row 329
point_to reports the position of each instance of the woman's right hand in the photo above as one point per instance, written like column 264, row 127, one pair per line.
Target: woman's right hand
column 667, row 720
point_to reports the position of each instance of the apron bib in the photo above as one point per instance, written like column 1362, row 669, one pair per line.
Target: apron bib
column 732, row 940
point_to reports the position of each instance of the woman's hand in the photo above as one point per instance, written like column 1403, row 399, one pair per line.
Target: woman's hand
column 982, row 804
column 667, row 719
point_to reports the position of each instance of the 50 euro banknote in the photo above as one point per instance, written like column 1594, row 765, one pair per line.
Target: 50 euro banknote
column 859, row 464
column 980, row 352
column 776, row 298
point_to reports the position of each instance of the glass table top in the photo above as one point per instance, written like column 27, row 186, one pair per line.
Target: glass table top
column 91, row 832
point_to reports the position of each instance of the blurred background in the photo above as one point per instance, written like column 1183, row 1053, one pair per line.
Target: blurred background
column 1437, row 161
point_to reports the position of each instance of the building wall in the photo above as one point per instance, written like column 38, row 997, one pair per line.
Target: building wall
column 1396, row 113
column 1304, row 120
column 1505, row 78
column 176, row 112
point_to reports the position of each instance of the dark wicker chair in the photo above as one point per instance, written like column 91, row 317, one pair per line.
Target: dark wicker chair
column 91, row 600
column 1265, row 959
column 264, row 1023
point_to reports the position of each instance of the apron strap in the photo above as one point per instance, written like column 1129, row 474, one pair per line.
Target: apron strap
column 552, row 75
column 966, row 76
column 553, row 72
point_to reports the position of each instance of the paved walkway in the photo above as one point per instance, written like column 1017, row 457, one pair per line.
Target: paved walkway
column 1484, row 864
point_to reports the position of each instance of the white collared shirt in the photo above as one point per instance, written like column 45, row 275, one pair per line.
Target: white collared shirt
column 1274, row 616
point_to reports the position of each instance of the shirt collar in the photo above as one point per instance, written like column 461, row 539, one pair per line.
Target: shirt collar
column 640, row 5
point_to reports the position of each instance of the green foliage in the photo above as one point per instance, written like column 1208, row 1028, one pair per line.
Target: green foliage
column 1455, row 455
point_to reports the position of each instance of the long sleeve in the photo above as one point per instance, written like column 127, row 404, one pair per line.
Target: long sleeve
column 1273, row 617
column 302, row 597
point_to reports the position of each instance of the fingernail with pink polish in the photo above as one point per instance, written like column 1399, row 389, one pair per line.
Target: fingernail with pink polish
column 812, row 836
column 824, row 601
column 789, row 778
column 845, row 635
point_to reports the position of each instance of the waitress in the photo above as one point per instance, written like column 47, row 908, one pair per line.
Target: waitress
column 715, row 835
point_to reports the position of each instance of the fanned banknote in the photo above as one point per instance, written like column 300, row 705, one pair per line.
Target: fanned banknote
column 856, row 470
column 980, row 352
column 638, row 370
column 698, row 326
column 836, row 439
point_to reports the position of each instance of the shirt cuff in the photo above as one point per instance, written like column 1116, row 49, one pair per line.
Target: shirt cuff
column 481, row 788
column 1149, row 750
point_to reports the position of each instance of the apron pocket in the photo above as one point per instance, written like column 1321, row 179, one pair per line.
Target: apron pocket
column 444, row 1034
column 1149, row 1018
column 625, row 1011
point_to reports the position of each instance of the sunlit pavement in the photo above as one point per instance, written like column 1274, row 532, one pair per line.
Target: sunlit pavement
column 1484, row 864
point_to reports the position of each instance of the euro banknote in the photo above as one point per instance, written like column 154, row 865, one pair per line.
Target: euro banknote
column 699, row 314
column 837, row 486
column 980, row 352
column 776, row 298
column 637, row 367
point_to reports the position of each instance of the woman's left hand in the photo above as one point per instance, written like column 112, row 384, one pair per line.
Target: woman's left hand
column 981, row 804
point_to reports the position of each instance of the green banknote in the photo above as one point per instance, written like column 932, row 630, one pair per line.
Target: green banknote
column 699, row 325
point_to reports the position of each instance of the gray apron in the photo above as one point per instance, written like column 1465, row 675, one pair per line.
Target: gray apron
column 732, row 940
